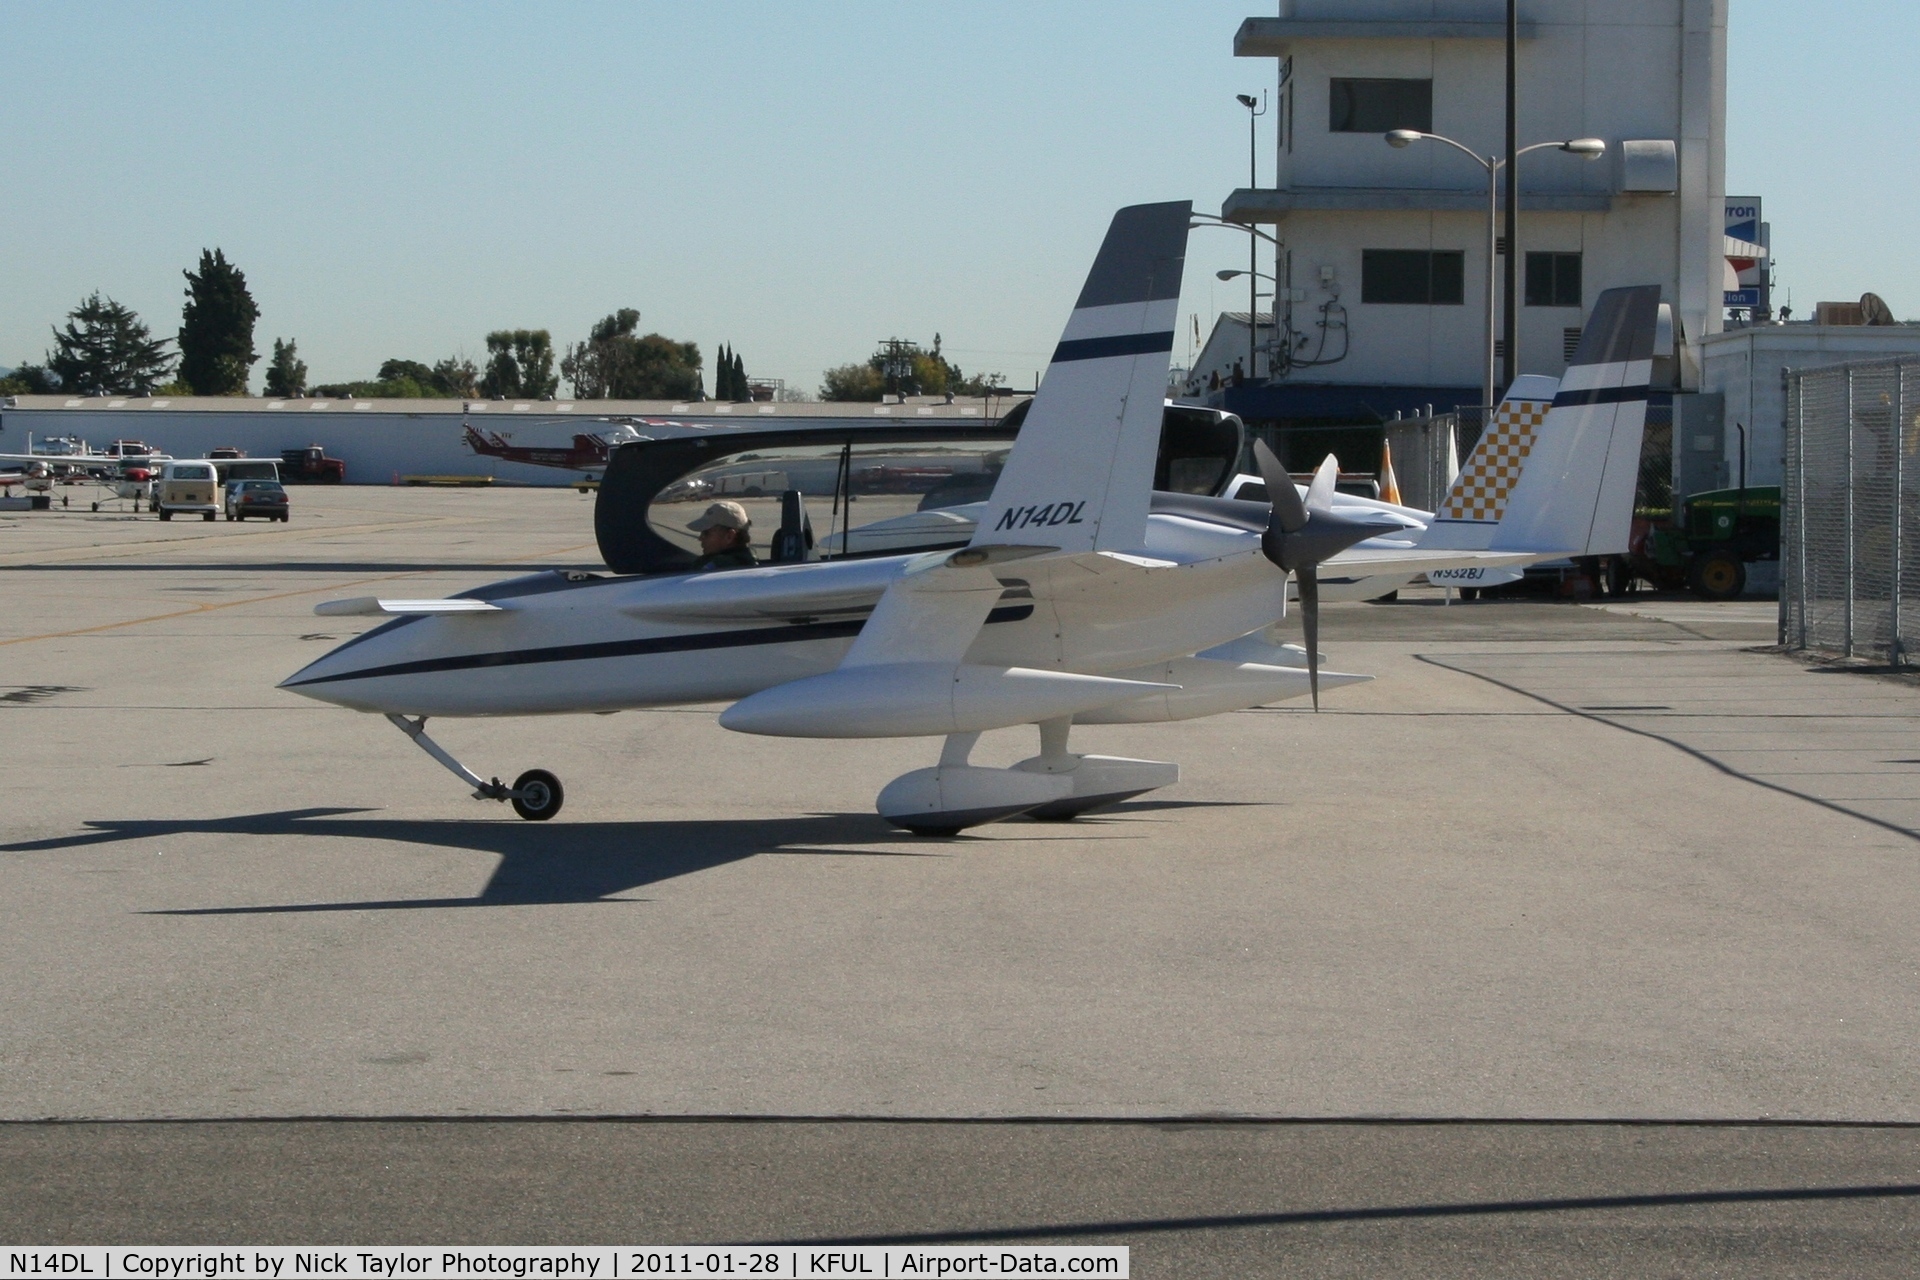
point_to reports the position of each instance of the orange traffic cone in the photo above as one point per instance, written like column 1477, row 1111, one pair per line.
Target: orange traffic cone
column 1389, row 486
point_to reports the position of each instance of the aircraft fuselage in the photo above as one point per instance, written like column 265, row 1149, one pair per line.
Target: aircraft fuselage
column 561, row 644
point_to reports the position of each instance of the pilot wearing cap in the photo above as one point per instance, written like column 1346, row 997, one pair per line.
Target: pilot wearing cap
column 725, row 533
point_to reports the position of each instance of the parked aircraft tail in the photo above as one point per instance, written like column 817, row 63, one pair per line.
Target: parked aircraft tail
column 1559, row 475
column 1081, row 473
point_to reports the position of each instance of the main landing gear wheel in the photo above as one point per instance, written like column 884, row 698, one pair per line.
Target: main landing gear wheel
column 538, row 795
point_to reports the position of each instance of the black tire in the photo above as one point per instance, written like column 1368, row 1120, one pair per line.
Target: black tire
column 231, row 517
column 1619, row 576
column 96, row 506
column 545, row 795
column 1719, row 576
column 165, row 514
column 207, row 516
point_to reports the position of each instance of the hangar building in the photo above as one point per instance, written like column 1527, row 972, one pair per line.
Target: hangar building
column 382, row 441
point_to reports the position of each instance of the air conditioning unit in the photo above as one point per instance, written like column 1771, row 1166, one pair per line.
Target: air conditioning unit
column 1649, row 166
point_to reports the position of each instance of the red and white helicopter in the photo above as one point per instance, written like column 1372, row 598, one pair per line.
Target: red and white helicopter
column 1081, row 596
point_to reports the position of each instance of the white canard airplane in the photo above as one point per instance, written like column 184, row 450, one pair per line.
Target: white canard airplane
column 1081, row 597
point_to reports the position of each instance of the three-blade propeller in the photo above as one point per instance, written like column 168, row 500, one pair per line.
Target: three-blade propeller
column 1302, row 534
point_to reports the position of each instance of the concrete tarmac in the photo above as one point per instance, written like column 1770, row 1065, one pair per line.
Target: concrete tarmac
column 1556, row 863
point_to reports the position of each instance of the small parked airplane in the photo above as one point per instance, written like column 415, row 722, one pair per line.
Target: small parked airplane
column 1081, row 596
column 34, row 476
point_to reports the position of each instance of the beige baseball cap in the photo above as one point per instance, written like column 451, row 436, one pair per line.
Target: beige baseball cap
column 721, row 515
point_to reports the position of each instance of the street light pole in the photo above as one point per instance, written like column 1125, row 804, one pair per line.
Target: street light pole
column 1586, row 148
column 1512, row 369
column 1253, row 245
column 1493, row 255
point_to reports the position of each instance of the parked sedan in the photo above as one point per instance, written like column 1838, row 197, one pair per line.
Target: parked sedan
column 256, row 498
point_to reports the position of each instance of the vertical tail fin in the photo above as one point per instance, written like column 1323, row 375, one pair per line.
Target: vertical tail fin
column 1081, row 472
column 1560, row 476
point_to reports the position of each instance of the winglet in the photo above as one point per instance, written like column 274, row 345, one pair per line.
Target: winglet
column 1081, row 472
column 374, row 606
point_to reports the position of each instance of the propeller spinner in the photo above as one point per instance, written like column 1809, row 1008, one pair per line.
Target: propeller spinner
column 1302, row 534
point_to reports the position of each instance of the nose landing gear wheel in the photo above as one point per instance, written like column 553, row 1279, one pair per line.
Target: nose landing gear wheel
column 539, row 795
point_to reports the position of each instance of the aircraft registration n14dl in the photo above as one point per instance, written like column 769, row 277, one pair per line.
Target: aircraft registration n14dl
column 1078, row 599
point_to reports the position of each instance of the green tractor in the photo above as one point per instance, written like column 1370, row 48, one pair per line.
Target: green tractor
column 1718, row 534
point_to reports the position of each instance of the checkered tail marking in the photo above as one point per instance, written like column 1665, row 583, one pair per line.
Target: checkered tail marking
column 1480, row 494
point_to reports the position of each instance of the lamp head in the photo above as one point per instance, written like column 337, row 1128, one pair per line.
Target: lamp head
column 1585, row 148
column 1400, row 139
column 1227, row 274
column 1247, row 100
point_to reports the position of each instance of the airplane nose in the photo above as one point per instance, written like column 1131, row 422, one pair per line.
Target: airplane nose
column 330, row 677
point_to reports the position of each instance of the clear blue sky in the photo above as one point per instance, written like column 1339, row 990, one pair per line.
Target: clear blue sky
column 796, row 180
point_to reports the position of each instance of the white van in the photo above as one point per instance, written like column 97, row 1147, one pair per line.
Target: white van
column 187, row 488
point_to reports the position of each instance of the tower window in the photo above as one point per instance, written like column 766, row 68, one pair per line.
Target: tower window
column 1553, row 279
column 1380, row 106
column 1418, row 277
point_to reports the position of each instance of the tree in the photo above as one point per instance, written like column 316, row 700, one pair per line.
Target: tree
column 216, row 328
column 853, row 382
column 666, row 370
column 730, row 376
column 449, row 379
column 900, row 367
column 29, row 380
column 106, row 350
column 615, row 364
column 520, row 364
column 287, row 375
column 454, row 378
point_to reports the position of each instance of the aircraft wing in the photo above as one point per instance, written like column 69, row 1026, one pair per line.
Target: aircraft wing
column 750, row 595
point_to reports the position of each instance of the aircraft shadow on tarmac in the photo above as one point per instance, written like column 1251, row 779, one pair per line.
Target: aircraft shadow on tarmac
column 578, row 862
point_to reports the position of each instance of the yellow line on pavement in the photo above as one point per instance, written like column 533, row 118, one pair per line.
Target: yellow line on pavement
column 108, row 551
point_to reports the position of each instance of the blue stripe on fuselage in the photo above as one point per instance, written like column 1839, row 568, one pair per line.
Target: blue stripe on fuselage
column 795, row 633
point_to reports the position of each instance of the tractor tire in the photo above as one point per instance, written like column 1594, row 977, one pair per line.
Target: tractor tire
column 1717, row 576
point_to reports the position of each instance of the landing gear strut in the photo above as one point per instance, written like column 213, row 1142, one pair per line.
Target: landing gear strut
column 536, row 794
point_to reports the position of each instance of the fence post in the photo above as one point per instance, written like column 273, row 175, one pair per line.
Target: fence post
column 1800, row 497
column 1846, row 489
column 1896, row 651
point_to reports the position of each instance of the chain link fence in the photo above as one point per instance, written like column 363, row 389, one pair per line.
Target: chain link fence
column 1850, row 509
column 1419, row 447
column 1420, row 456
